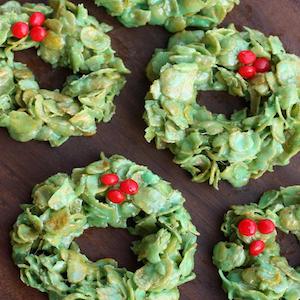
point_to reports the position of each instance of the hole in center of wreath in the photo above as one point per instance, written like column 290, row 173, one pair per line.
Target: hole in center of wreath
column 289, row 248
column 48, row 77
column 99, row 243
column 221, row 102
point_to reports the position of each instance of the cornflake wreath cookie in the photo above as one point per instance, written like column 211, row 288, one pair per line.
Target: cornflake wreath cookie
column 174, row 15
column 65, row 36
column 249, row 263
column 108, row 192
column 245, row 64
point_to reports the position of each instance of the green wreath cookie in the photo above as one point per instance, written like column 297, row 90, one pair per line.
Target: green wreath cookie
column 174, row 15
column 66, row 36
column 245, row 64
column 249, row 263
column 106, row 193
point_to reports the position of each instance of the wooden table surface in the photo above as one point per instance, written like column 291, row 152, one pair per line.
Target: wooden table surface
column 22, row 165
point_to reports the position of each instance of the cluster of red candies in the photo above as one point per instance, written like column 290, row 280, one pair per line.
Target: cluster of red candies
column 248, row 227
column 37, row 32
column 251, row 65
column 126, row 187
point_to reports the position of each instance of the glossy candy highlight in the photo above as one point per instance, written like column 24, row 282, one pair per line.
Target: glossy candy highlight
column 38, row 33
column 247, row 57
column 109, row 179
column 20, row 30
column 266, row 226
column 247, row 227
column 129, row 187
column 37, row 19
column 256, row 247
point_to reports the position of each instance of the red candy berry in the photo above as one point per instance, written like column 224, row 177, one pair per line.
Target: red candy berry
column 115, row 196
column 256, row 247
column 20, row 30
column 262, row 65
column 266, row 226
column 109, row 179
column 247, row 71
column 129, row 187
column 246, row 57
column 38, row 33
column 247, row 227
column 36, row 19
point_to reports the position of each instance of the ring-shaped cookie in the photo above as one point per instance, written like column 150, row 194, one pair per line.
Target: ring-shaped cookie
column 73, row 40
column 211, row 146
column 174, row 15
column 64, row 206
column 249, row 262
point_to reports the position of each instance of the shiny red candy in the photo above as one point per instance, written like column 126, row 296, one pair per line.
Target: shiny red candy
column 38, row 33
column 266, row 226
column 247, row 227
column 129, row 187
column 247, row 71
column 256, row 247
column 115, row 196
column 20, row 30
column 246, row 57
column 262, row 65
column 109, row 179
column 36, row 19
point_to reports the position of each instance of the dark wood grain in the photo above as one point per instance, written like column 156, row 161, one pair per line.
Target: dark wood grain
column 24, row 165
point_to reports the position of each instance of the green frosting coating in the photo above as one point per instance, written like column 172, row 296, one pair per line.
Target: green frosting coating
column 75, row 40
column 211, row 146
column 267, row 276
column 64, row 206
column 174, row 15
